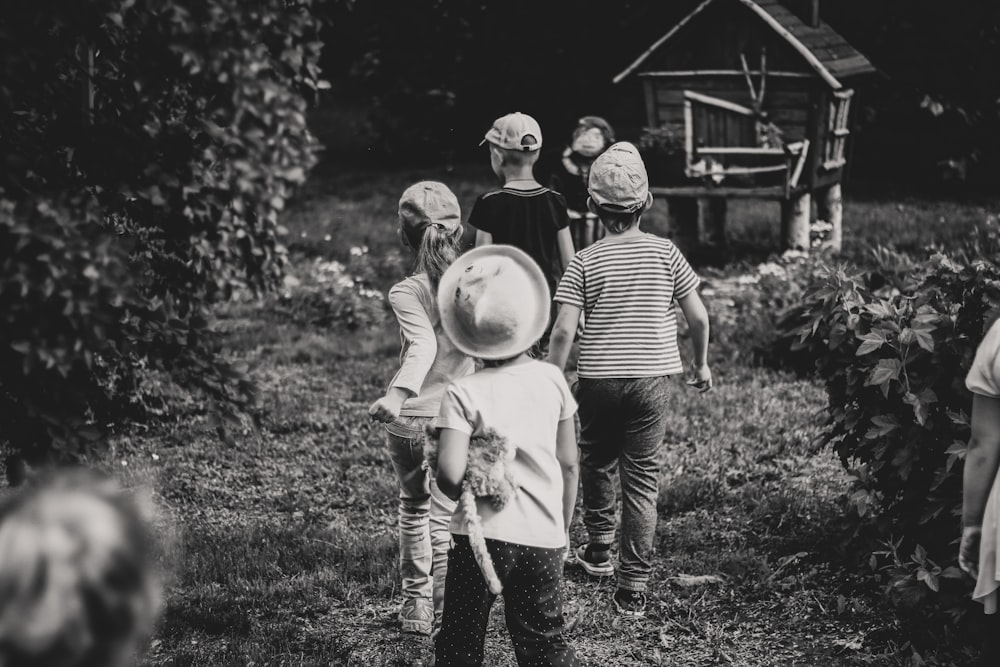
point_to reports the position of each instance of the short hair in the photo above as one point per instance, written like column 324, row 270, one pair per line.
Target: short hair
column 518, row 158
column 615, row 221
column 77, row 587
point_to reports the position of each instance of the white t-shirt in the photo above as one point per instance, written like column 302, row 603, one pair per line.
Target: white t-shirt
column 524, row 402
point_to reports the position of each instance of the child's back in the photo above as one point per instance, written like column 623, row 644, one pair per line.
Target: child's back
column 626, row 287
column 523, row 213
column 529, row 219
column 494, row 305
column 523, row 401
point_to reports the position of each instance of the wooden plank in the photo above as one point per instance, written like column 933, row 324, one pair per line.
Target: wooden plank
column 838, row 52
column 718, row 102
column 821, row 39
column 746, row 150
column 793, row 122
column 683, row 74
column 851, row 66
column 773, row 100
column 803, row 152
column 702, row 80
column 671, row 116
column 815, row 132
column 651, row 103
column 775, row 192
column 782, row 117
column 791, row 116
column 688, row 133
column 710, row 86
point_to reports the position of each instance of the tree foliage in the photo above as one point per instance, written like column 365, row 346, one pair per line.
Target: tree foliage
column 894, row 364
column 148, row 147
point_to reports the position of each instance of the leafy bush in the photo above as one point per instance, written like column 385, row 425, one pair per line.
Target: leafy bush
column 148, row 147
column 328, row 293
column 894, row 366
column 745, row 309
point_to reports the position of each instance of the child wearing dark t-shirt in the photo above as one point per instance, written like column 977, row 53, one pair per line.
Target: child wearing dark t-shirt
column 523, row 213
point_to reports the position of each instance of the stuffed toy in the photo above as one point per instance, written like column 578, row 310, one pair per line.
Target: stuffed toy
column 487, row 477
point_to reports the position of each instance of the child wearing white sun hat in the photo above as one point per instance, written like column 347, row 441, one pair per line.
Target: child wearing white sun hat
column 494, row 304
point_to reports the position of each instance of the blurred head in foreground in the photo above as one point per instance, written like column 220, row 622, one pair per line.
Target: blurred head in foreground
column 77, row 583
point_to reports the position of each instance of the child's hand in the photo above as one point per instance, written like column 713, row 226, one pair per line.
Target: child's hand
column 702, row 380
column 385, row 409
column 968, row 551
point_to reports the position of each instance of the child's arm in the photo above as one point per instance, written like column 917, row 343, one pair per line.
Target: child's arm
column 981, row 462
column 453, row 457
column 565, row 241
column 563, row 332
column 483, row 238
column 568, row 456
column 416, row 327
column 697, row 319
column 386, row 408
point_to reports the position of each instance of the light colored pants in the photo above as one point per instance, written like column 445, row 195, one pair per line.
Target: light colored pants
column 424, row 515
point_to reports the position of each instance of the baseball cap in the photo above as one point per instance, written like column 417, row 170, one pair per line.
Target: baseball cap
column 618, row 180
column 494, row 302
column 516, row 131
column 432, row 203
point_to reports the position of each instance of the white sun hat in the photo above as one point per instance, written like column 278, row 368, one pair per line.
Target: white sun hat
column 494, row 302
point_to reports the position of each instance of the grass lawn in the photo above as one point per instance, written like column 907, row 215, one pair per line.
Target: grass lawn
column 281, row 548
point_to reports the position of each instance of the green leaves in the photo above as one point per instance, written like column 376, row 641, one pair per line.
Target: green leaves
column 894, row 364
column 170, row 186
column 870, row 342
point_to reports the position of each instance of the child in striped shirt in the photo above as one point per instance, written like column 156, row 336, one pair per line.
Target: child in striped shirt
column 625, row 285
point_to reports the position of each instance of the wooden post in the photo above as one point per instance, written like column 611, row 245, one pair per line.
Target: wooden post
column 712, row 221
column 87, row 83
column 830, row 208
column 795, row 222
column 683, row 215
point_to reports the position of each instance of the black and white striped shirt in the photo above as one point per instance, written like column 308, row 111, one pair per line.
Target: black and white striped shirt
column 626, row 287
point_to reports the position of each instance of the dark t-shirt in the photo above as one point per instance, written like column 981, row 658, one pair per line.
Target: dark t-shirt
column 527, row 219
column 572, row 184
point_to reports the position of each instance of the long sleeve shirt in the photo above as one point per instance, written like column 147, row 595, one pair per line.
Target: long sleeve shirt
column 428, row 360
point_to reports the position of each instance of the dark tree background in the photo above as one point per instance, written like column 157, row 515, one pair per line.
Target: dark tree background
column 426, row 77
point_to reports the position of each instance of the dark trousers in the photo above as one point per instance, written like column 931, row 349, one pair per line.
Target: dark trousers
column 621, row 432
column 990, row 656
column 532, row 593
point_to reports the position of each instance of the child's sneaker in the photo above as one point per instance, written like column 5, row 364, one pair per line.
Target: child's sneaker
column 417, row 616
column 630, row 603
column 595, row 561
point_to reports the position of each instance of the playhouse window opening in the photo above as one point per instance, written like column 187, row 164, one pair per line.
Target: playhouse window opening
column 837, row 127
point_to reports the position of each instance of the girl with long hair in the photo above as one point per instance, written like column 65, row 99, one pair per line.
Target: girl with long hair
column 430, row 225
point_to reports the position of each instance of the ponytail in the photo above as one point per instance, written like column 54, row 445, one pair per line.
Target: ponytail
column 438, row 248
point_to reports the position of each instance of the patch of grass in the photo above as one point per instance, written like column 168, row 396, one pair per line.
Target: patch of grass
column 285, row 543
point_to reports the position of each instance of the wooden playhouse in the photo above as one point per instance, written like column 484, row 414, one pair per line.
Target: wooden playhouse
column 749, row 98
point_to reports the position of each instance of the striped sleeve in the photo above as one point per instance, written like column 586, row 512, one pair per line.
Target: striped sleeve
column 685, row 279
column 571, row 286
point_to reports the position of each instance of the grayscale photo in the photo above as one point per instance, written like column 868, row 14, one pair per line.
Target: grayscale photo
column 443, row 333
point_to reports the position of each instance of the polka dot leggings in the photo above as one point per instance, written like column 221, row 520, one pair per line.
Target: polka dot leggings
column 532, row 592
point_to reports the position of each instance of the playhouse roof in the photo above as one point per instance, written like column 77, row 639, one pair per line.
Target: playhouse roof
column 822, row 47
